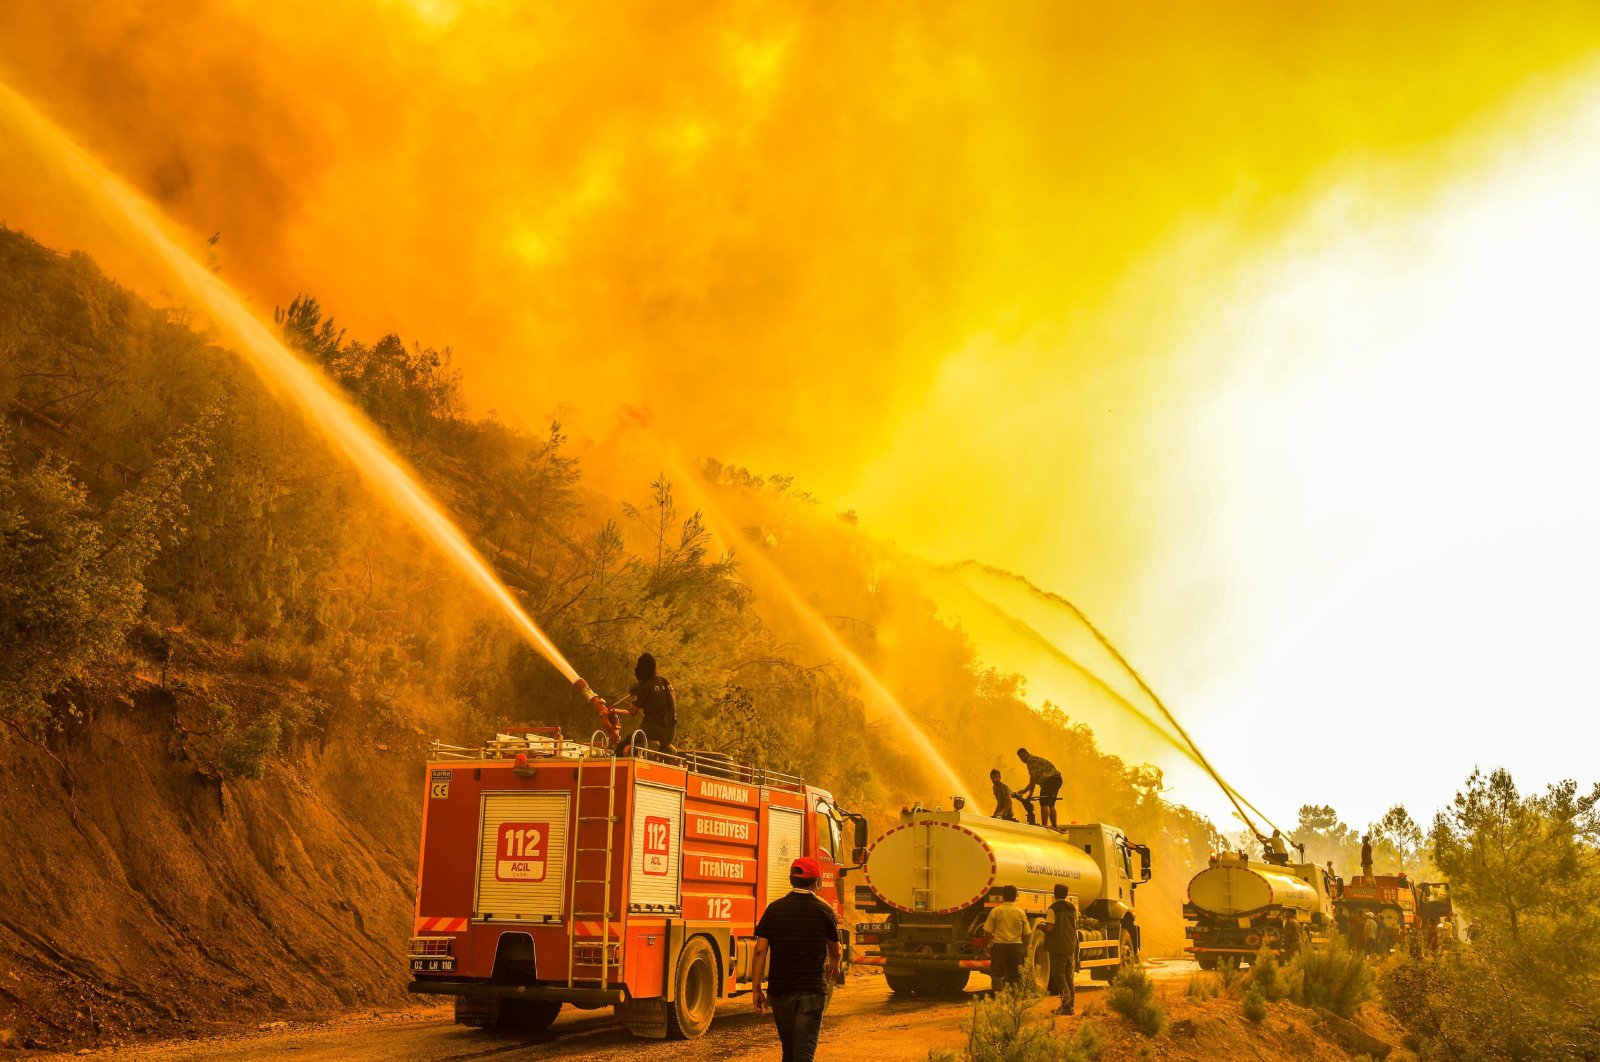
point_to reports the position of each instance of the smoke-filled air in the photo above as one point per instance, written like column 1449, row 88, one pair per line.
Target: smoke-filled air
column 504, row 506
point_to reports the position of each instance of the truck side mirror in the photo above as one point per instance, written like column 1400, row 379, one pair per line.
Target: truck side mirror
column 861, row 839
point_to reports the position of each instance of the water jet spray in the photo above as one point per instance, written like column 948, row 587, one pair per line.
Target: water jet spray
column 287, row 374
column 1181, row 741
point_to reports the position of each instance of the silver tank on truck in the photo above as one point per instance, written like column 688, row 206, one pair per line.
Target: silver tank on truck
column 932, row 879
column 1238, row 907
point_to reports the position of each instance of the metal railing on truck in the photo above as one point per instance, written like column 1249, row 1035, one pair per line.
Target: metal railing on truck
column 547, row 743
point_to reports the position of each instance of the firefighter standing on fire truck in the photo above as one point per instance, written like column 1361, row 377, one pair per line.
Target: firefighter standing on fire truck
column 653, row 701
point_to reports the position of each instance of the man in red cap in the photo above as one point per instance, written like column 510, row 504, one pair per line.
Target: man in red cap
column 801, row 934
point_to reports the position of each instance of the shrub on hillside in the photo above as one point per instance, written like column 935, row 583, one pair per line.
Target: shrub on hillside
column 1203, row 986
column 1266, row 976
column 1472, row 1005
column 1133, row 995
column 243, row 750
column 1003, row 1029
column 1333, row 977
column 1255, row 1004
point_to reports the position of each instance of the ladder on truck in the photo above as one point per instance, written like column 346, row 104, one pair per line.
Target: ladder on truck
column 922, row 868
column 584, row 816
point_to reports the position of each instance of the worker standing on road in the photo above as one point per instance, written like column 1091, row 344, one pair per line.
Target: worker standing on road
column 1042, row 773
column 1291, row 937
column 1007, row 929
column 1061, row 943
column 1002, row 798
column 1369, row 932
column 1366, row 855
column 801, row 934
column 653, row 701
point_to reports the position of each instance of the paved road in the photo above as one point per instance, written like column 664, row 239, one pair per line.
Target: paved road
column 863, row 1011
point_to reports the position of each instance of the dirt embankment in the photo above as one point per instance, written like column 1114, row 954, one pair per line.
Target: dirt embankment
column 147, row 896
column 863, row 1020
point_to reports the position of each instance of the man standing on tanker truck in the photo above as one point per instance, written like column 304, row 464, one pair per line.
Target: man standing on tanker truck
column 801, row 935
column 1042, row 773
column 654, row 703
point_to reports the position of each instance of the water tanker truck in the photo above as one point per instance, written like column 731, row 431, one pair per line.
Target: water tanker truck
column 1237, row 907
column 1407, row 913
column 932, row 879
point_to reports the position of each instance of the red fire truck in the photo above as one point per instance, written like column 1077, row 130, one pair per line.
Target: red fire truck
column 554, row 871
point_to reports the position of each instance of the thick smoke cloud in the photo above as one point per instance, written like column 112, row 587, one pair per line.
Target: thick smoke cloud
column 949, row 264
column 767, row 225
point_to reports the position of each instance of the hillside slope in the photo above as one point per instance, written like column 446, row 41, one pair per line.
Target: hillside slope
column 147, row 895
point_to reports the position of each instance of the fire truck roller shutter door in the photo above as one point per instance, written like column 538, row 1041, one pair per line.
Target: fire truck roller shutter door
column 786, row 830
column 656, row 875
column 522, row 857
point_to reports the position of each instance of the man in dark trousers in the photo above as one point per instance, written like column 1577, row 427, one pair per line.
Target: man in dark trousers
column 1366, row 855
column 654, row 703
column 1042, row 773
column 800, row 934
column 1061, row 942
column 1007, row 930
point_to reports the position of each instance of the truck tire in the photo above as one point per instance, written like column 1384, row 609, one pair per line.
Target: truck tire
column 1207, row 962
column 1126, row 952
column 901, row 982
column 694, row 1001
column 1037, row 966
column 526, row 1015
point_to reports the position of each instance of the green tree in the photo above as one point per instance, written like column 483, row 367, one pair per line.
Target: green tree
column 70, row 577
column 1398, row 843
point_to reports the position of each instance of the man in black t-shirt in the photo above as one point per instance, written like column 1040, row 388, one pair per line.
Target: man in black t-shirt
column 1061, row 943
column 800, row 934
column 654, row 703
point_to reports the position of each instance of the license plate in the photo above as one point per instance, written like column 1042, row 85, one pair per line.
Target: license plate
column 446, row 964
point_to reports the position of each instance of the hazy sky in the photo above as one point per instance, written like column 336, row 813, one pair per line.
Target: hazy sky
column 1261, row 331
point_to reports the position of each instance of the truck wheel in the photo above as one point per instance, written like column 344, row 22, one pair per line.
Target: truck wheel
column 695, row 983
column 526, row 1015
column 901, row 982
column 1038, row 961
column 1128, row 957
column 1207, row 962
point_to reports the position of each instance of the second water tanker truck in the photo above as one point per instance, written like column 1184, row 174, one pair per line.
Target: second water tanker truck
column 1238, row 907
column 932, row 879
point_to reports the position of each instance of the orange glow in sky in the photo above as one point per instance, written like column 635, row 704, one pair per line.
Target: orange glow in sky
column 1261, row 332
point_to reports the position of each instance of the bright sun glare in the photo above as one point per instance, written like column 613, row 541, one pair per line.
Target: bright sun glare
column 1386, row 508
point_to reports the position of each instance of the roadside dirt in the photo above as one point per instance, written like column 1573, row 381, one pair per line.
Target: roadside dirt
column 148, row 897
column 863, row 1021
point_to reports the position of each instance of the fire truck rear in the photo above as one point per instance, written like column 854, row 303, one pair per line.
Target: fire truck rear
column 554, row 872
